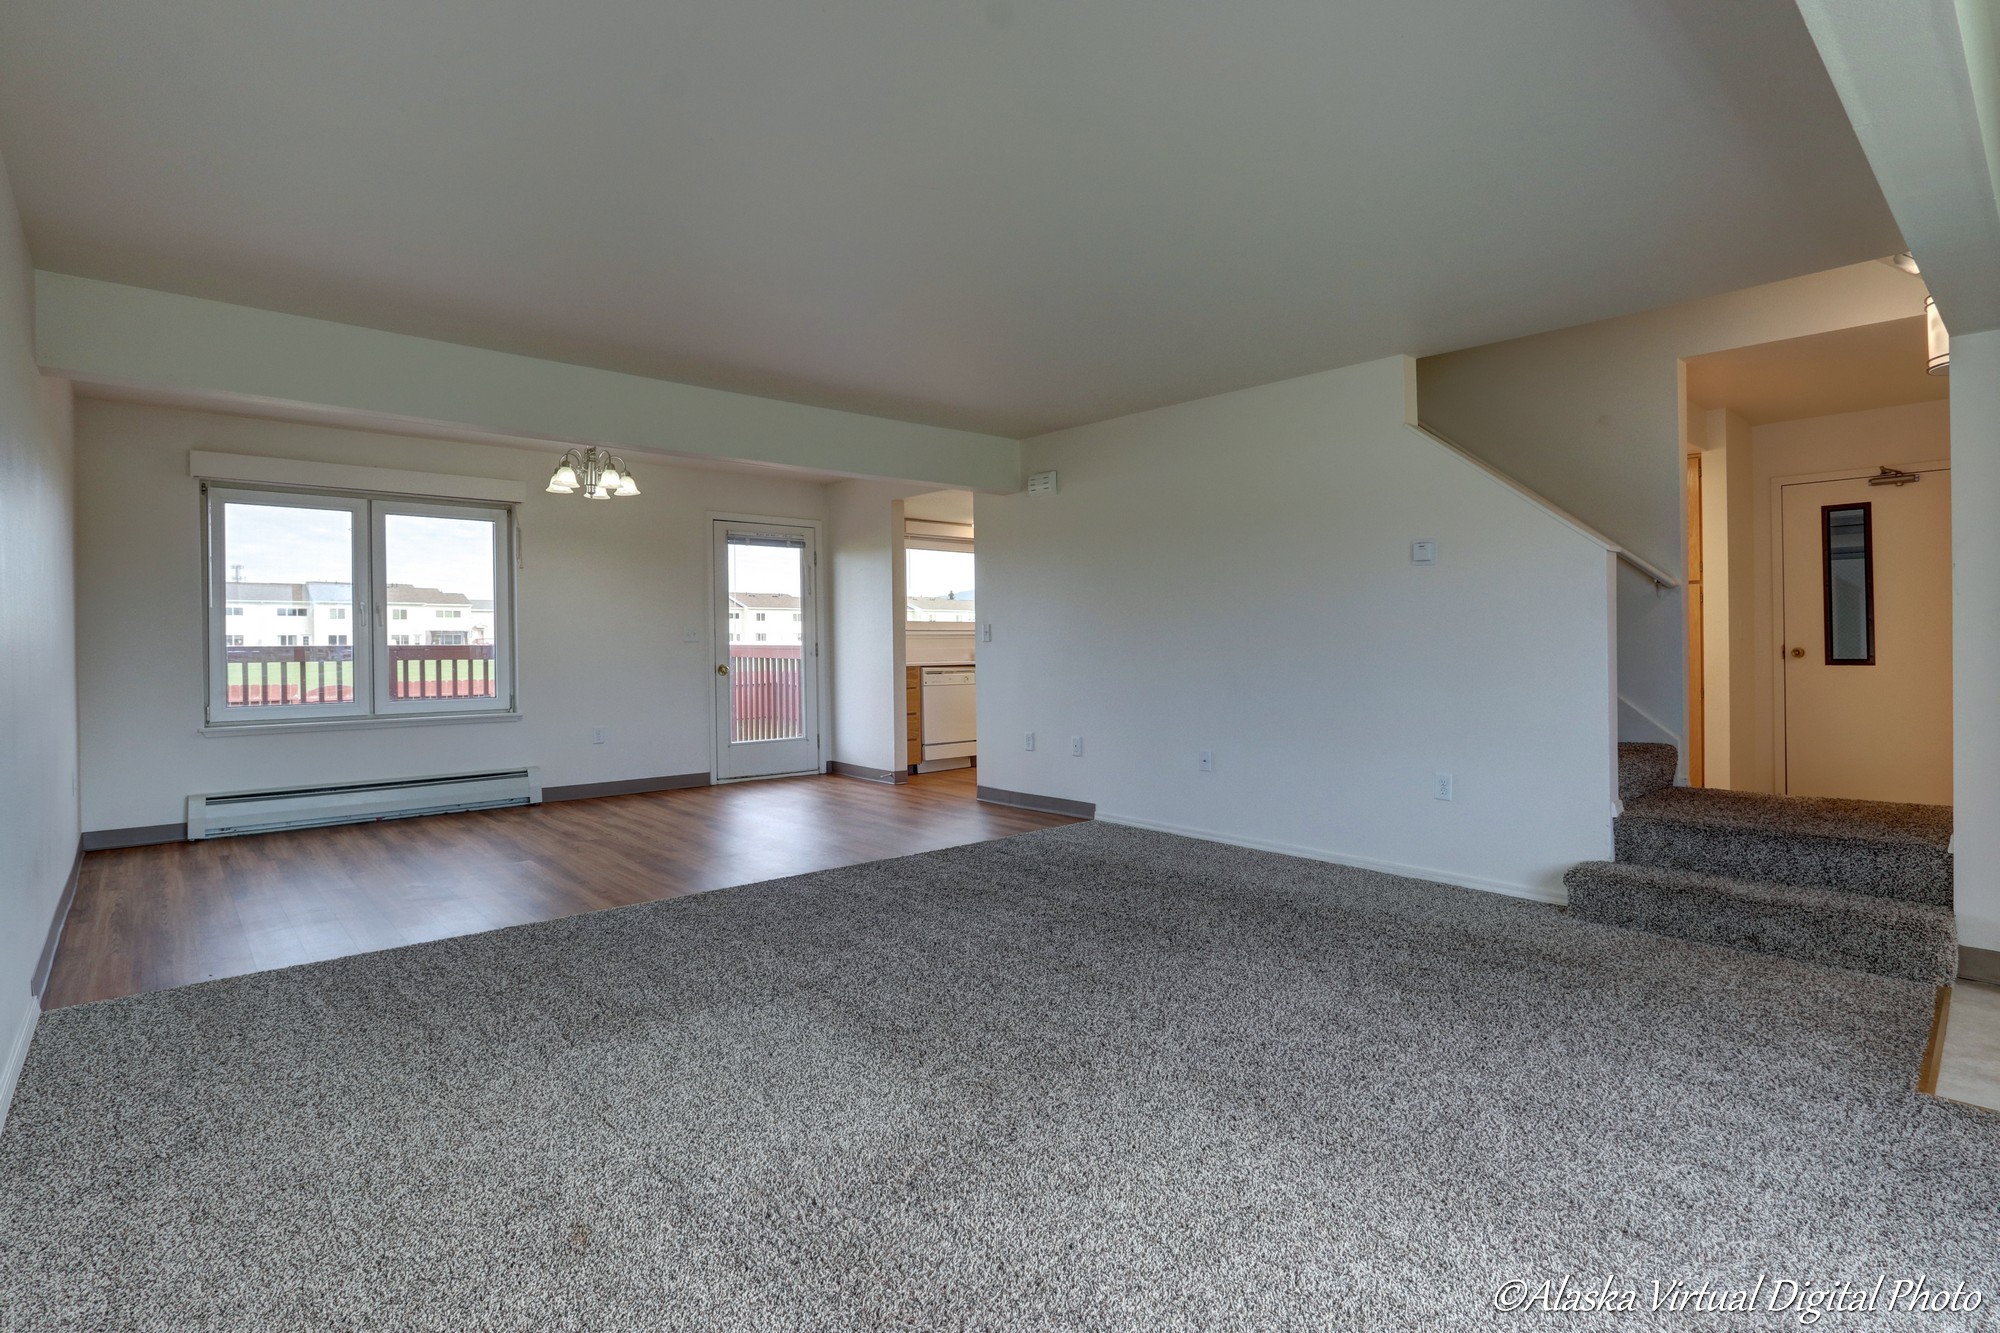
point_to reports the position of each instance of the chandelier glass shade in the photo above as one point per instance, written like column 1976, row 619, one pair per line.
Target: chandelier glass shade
column 596, row 472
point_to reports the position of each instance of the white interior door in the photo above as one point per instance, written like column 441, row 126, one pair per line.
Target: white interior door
column 1867, row 649
column 766, row 651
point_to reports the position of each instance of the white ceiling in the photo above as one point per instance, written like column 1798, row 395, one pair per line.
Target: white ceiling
column 1009, row 215
column 1843, row 370
column 940, row 507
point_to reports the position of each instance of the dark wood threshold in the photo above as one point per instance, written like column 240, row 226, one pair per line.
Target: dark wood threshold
column 1927, row 1072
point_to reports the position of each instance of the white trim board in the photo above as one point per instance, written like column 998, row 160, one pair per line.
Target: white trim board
column 822, row 636
column 351, row 477
column 1556, row 896
column 17, row 1056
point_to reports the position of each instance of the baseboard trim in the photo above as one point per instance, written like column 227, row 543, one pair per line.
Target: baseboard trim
column 1975, row 964
column 17, row 1057
column 1533, row 893
column 841, row 768
column 47, row 962
column 587, row 791
column 1048, row 805
column 149, row 835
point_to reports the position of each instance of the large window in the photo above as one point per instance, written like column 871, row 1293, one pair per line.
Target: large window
column 937, row 585
column 275, row 557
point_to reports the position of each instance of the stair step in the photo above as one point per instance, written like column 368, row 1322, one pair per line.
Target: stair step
column 1645, row 769
column 1886, row 936
column 1874, row 848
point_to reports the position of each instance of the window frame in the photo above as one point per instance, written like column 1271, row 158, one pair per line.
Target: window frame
column 369, row 616
column 501, row 516
column 216, row 531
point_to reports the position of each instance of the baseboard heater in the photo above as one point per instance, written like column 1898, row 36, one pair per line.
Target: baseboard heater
column 227, row 814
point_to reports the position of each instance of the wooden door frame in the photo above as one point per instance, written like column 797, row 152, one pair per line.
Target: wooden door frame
column 822, row 630
column 1697, row 631
column 1775, row 648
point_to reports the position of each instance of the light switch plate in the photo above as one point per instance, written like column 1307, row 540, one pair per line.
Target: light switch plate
column 1424, row 551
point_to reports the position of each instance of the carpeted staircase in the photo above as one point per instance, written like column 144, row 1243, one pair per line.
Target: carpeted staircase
column 1864, row 885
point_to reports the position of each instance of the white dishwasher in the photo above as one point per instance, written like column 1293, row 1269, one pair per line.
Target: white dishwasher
column 951, row 726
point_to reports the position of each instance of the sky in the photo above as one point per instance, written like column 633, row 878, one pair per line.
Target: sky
column 764, row 569
column 776, row 569
column 279, row 544
column 939, row 573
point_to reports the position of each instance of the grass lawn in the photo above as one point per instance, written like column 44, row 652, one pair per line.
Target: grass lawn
column 321, row 675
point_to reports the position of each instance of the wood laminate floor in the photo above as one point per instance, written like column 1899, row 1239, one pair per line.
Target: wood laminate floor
column 147, row 918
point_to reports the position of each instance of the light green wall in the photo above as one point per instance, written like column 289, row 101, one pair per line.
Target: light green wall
column 106, row 332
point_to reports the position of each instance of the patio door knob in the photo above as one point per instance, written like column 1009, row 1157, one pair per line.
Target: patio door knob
column 722, row 669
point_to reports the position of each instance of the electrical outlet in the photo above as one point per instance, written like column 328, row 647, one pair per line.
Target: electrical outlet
column 1206, row 760
column 1076, row 746
column 597, row 736
column 986, row 632
column 1441, row 787
column 1028, row 741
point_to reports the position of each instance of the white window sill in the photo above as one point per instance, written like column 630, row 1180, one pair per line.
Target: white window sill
column 311, row 724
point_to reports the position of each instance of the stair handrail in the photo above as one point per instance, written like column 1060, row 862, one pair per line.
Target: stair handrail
column 1661, row 579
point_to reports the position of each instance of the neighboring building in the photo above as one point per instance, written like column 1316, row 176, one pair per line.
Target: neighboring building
column 955, row 606
column 321, row 615
column 765, row 618
column 419, row 615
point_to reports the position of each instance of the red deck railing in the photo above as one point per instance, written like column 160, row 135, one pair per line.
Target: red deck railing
column 273, row 677
column 767, row 692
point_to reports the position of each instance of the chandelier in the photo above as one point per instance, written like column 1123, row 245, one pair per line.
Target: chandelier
column 595, row 471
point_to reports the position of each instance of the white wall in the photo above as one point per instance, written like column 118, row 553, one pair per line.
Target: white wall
column 1975, row 661
column 925, row 648
column 1590, row 417
column 38, row 763
column 1132, row 608
column 1848, row 441
column 865, row 542
column 608, row 594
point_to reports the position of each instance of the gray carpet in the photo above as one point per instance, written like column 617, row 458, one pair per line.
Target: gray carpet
column 1644, row 769
column 1085, row 1078
column 1875, row 847
column 1887, row 936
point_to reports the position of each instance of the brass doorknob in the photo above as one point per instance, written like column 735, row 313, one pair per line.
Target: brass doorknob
column 722, row 669
column 1798, row 652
